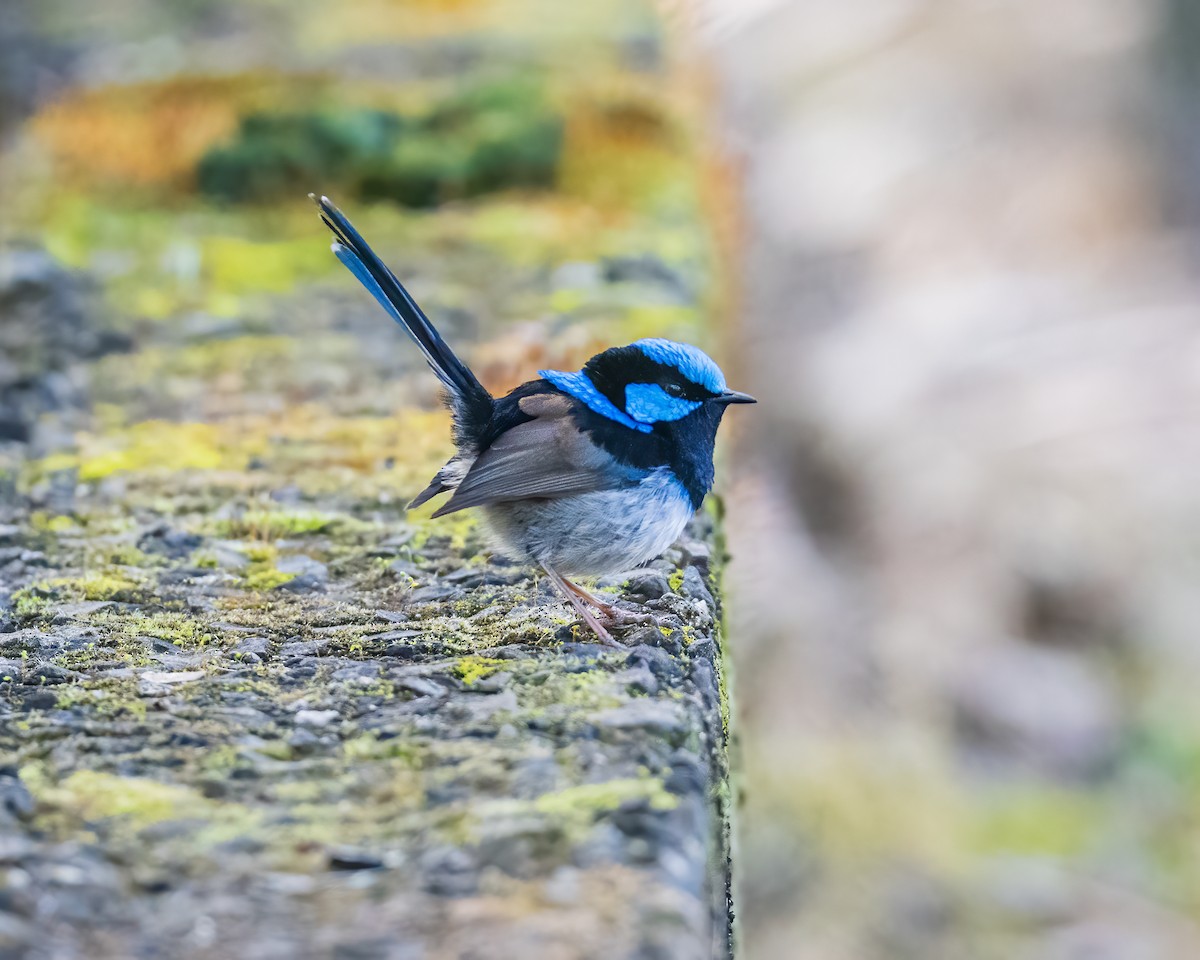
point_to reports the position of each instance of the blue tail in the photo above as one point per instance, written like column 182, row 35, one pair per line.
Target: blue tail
column 470, row 404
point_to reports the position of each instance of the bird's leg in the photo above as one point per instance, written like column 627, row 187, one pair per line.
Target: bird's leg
column 610, row 612
column 603, row 606
column 571, row 593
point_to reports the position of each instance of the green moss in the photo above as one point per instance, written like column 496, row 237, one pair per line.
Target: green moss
column 569, row 694
column 370, row 746
column 53, row 524
column 459, row 527
column 471, row 670
column 91, row 795
column 31, row 603
column 274, row 524
column 127, row 555
column 267, row 578
column 107, row 698
column 275, row 749
column 590, row 800
column 176, row 628
column 103, row 587
column 675, row 581
column 204, row 560
column 262, row 573
column 39, row 599
column 124, row 637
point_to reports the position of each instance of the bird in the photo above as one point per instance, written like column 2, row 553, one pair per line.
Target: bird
column 581, row 473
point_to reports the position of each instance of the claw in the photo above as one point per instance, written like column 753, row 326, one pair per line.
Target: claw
column 618, row 617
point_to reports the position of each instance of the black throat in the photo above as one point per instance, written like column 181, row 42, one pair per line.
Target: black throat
column 684, row 446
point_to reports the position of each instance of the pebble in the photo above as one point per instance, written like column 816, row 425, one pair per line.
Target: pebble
column 693, row 586
column 354, row 858
column 656, row 660
column 434, row 593
column 310, row 576
column 304, row 742
column 252, row 646
column 162, row 540
column 695, row 553
column 316, row 718
column 421, row 686
column 84, row 608
column 231, row 556
column 171, row 677
column 639, row 680
column 449, row 872
column 302, row 648
column 15, row 799
column 647, row 586
column 657, row 715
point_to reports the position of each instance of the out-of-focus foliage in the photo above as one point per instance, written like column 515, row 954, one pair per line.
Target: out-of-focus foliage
column 143, row 135
column 965, row 588
column 488, row 137
column 277, row 154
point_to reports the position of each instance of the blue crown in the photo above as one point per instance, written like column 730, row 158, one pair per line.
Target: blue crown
column 692, row 362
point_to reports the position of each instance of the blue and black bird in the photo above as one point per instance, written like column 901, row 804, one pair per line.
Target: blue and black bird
column 583, row 473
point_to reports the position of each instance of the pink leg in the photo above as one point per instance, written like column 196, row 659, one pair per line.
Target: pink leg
column 571, row 593
column 610, row 613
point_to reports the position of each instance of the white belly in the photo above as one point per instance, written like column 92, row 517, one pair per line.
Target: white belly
column 594, row 533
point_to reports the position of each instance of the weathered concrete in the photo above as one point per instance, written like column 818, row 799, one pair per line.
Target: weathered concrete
column 431, row 765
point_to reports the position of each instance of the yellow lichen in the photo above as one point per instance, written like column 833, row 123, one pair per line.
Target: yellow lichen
column 471, row 670
column 590, row 799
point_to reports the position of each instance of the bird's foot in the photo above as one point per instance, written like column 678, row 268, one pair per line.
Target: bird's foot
column 596, row 626
column 575, row 597
column 619, row 617
column 615, row 616
column 610, row 614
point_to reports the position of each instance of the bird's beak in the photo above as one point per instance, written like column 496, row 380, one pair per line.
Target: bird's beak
column 733, row 396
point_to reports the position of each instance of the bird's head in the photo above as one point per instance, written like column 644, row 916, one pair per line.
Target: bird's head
column 650, row 382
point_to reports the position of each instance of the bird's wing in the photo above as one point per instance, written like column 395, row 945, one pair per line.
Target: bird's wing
column 546, row 457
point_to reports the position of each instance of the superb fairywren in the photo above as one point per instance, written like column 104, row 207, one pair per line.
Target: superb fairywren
column 583, row 473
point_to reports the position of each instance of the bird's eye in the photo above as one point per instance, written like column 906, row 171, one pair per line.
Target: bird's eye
column 673, row 389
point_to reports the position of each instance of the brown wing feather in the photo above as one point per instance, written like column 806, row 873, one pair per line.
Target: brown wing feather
column 546, row 457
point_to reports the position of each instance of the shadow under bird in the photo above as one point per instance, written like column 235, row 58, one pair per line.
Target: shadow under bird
column 583, row 473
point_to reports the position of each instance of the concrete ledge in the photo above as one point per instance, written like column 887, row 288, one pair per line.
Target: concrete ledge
column 425, row 764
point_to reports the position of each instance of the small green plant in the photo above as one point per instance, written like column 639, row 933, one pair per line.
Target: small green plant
column 492, row 136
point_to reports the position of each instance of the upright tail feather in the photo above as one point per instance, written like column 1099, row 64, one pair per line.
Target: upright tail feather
column 470, row 404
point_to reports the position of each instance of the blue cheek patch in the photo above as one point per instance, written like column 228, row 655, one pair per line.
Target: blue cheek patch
column 648, row 403
column 582, row 389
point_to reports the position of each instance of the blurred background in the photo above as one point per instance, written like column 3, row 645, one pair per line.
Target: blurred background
column 950, row 246
column 964, row 601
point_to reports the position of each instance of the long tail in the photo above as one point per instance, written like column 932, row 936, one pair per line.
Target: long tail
column 470, row 404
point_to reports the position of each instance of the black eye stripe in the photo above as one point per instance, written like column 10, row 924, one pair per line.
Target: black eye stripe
column 615, row 368
column 684, row 389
